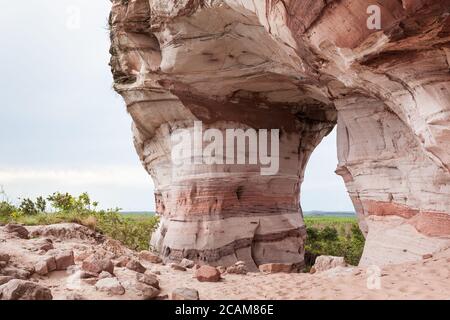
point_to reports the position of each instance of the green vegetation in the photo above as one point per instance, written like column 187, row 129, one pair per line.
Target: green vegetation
column 132, row 230
column 334, row 236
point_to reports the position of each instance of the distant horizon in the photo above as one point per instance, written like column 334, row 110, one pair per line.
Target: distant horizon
column 310, row 212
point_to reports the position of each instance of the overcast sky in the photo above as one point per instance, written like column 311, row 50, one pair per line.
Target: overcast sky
column 62, row 126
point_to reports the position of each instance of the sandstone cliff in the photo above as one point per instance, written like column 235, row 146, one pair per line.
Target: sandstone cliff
column 302, row 67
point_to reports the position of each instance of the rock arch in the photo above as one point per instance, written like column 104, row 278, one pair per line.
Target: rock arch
column 301, row 67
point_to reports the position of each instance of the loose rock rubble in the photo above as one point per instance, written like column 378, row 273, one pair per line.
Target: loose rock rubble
column 148, row 279
column 110, row 285
column 96, row 264
column 324, row 263
column 148, row 292
column 83, row 269
column 24, row 290
column 136, row 266
column 70, row 257
column 207, row 274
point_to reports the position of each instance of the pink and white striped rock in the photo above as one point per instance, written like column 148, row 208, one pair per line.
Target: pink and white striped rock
column 301, row 67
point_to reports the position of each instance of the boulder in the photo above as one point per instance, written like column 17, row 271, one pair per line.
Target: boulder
column 148, row 279
column 45, row 266
column 17, row 230
column 16, row 273
column 149, row 257
column 207, row 274
column 147, row 292
column 324, row 263
column 185, row 294
column 64, row 259
column 51, row 264
column 41, row 268
column 136, row 266
column 24, row 290
column 186, row 263
column 95, row 264
column 111, row 286
column 276, row 268
column 122, row 261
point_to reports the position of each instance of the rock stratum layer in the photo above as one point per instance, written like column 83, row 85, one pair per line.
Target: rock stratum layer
column 301, row 67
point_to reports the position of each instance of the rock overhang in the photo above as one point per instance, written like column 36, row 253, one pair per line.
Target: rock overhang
column 300, row 66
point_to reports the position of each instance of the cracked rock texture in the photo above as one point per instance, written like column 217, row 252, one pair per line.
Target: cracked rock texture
column 302, row 67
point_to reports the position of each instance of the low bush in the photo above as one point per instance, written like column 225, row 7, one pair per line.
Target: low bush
column 133, row 231
column 6, row 209
column 333, row 237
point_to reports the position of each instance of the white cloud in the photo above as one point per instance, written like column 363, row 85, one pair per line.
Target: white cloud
column 127, row 187
column 114, row 175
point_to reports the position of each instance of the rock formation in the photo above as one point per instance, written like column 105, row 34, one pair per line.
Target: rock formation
column 301, row 67
column 20, row 278
column 82, row 264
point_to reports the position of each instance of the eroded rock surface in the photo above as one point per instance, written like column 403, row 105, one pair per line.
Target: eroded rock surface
column 77, row 267
column 424, row 279
column 301, row 67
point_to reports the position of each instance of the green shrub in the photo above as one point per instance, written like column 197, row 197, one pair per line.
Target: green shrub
column 41, row 204
column 335, row 238
column 6, row 208
column 133, row 231
column 28, row 207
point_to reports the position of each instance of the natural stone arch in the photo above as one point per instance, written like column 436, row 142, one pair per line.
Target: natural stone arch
column 291, row 65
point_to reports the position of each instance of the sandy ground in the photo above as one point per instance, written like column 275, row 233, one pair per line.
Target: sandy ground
column 427, row 279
